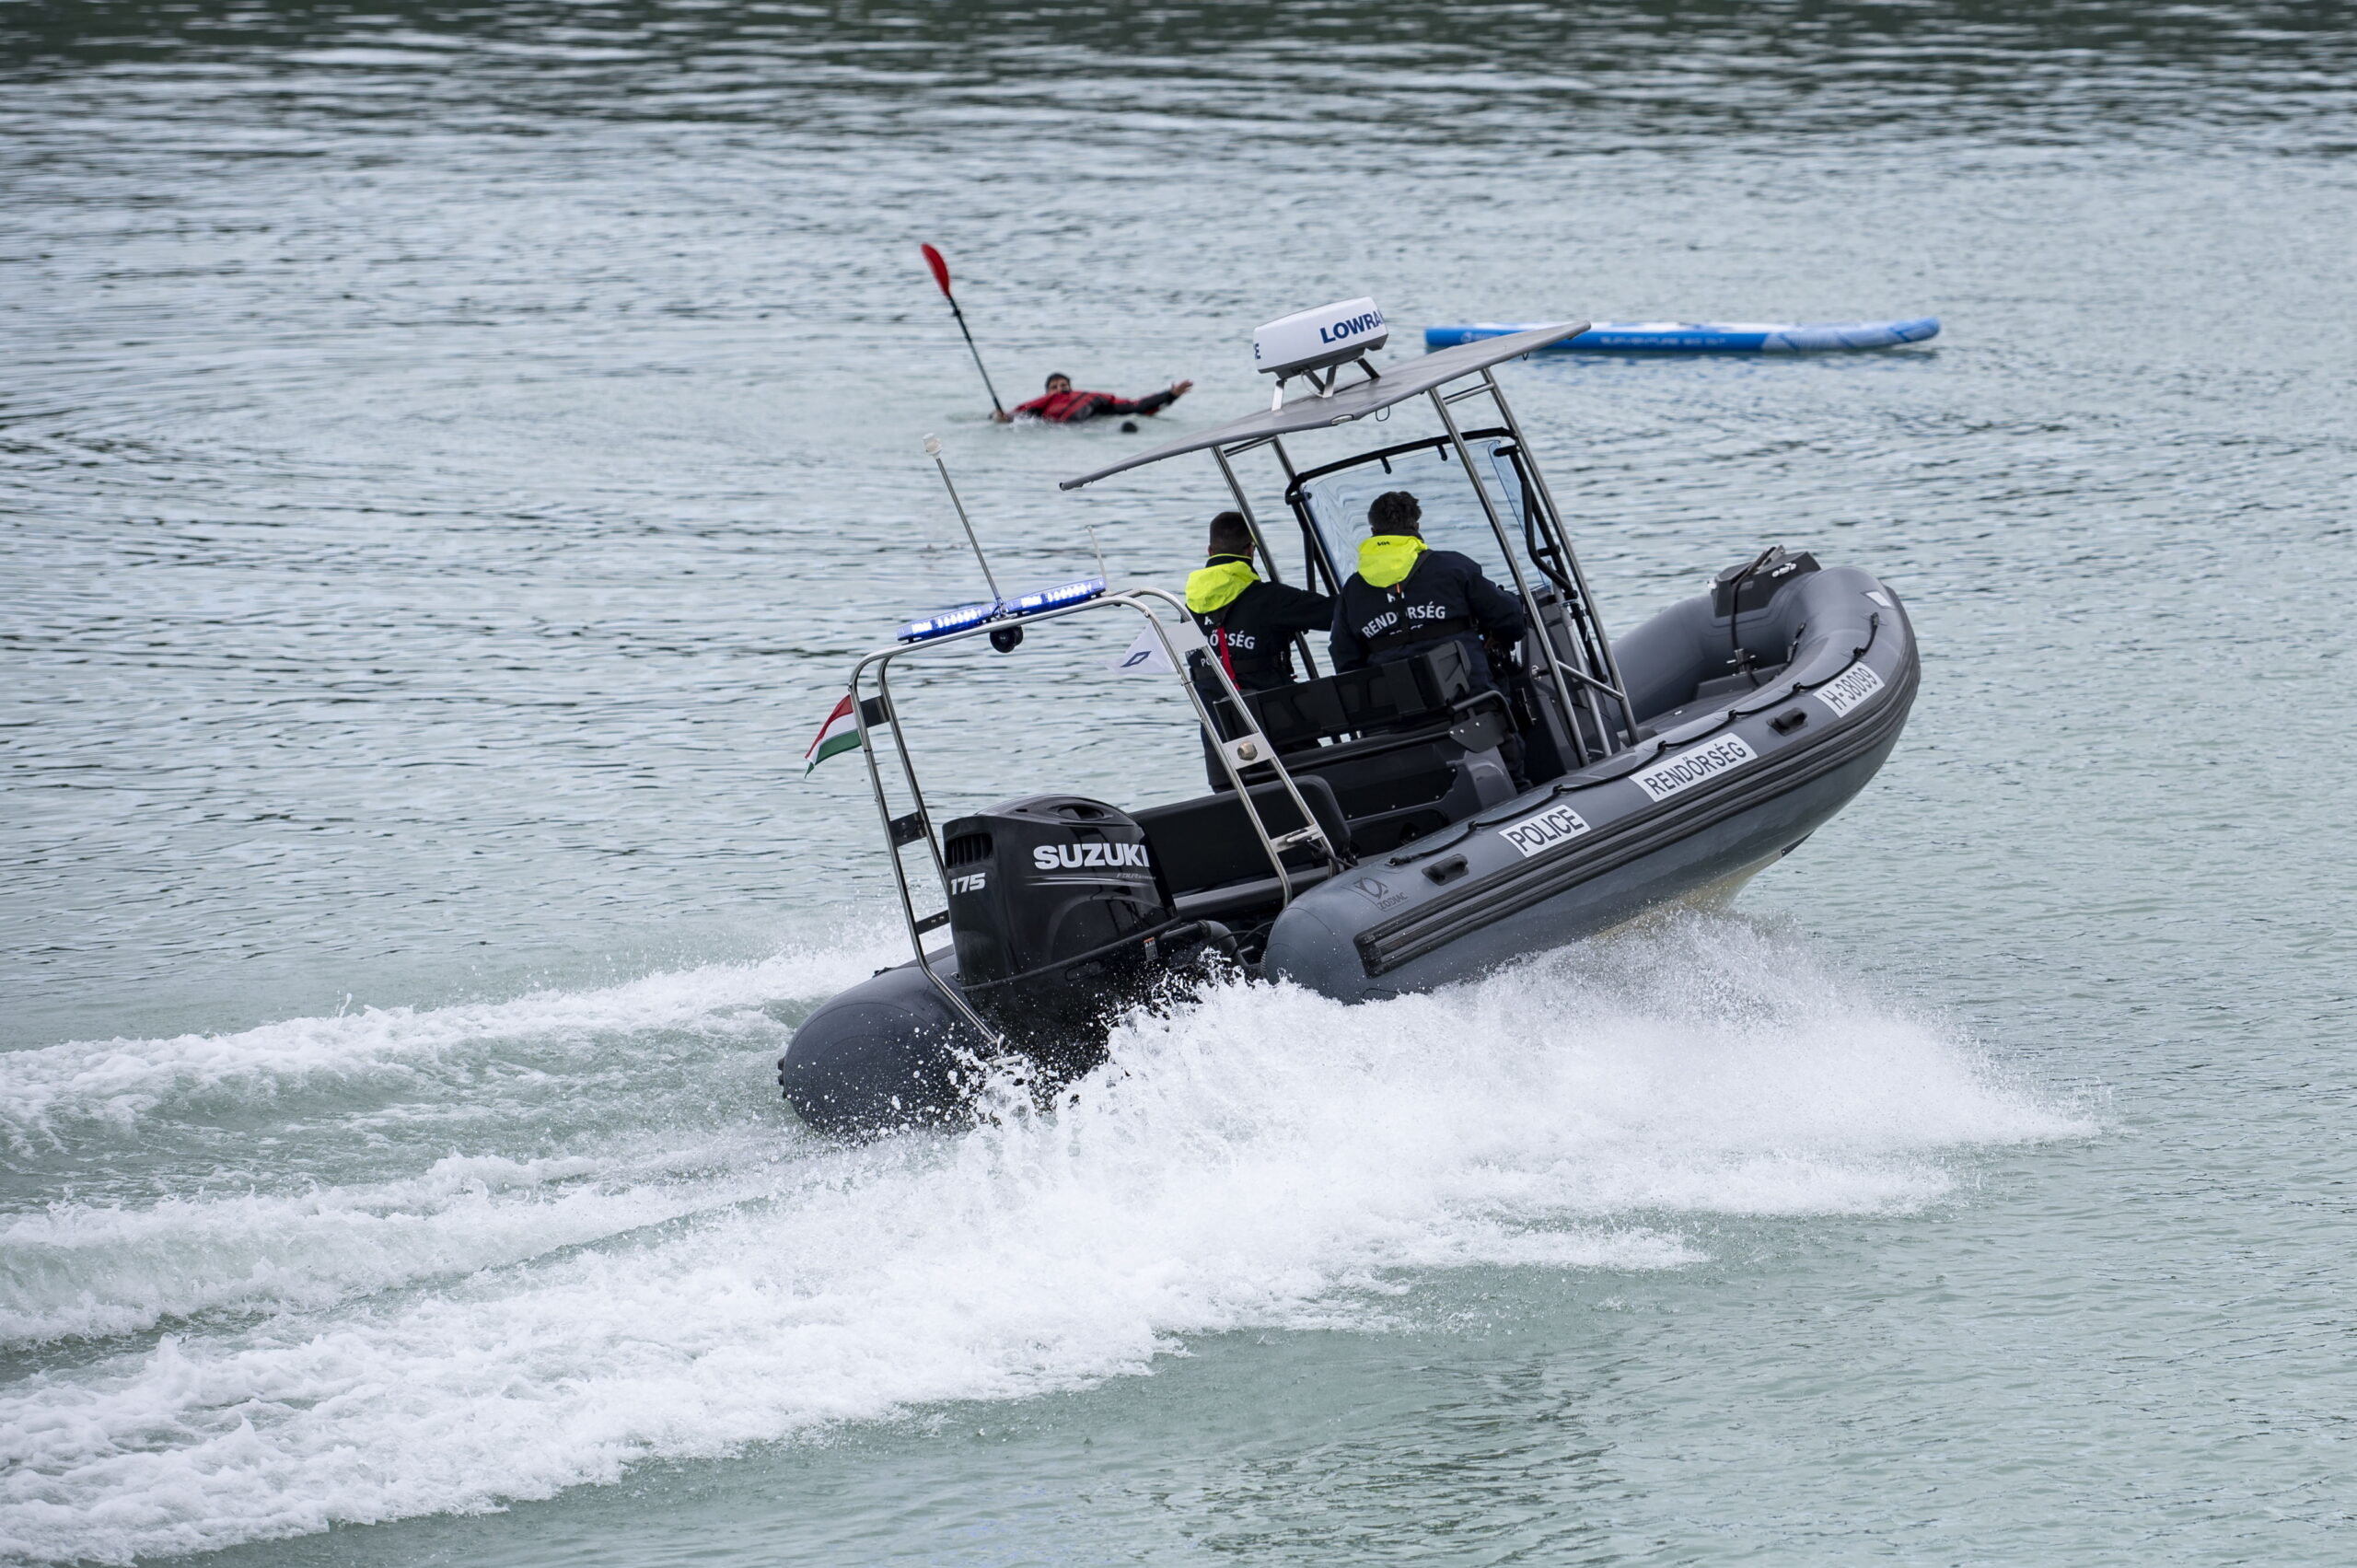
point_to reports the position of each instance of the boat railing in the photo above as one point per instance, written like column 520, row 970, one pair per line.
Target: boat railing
column 1183, row 649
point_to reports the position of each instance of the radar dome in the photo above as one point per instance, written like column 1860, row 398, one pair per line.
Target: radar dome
column 1312, row 340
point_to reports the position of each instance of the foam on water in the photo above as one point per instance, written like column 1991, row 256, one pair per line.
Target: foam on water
column 78, row 1271
column 121, row 1082
column 1258, row 1158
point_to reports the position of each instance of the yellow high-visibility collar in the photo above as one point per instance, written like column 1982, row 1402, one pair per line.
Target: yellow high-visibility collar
column 1388, row 557
column 1214, row 587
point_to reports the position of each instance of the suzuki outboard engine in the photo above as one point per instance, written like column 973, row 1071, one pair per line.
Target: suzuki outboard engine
column 1054, row 905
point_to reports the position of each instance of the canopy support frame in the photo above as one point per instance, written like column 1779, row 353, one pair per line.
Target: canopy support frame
column 1538, row 637
column 1261, row 541
column 1260, row 752
column 1609, row 667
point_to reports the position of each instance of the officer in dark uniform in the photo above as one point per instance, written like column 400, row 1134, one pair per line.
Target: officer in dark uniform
column 1250, row 624
column 1406, row 596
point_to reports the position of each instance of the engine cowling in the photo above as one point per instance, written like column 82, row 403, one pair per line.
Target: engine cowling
column 1054, row 903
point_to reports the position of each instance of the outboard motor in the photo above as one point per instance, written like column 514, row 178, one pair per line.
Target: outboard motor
column 1055, row 906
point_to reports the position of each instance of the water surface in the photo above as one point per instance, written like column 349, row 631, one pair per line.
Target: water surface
column 450, row 456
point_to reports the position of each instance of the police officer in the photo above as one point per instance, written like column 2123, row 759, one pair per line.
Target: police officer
column 1406, row 597
column 1250, row 624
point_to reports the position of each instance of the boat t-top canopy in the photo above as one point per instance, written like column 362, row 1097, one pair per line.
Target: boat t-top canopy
column 1344, row 404
column 1568, row 649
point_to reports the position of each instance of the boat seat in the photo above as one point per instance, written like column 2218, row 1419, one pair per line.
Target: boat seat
column 1426, row 748
column 1421, row 750
column 1207, row 841
column 1413, row 692
column 1403, row 792
column 1414, row 720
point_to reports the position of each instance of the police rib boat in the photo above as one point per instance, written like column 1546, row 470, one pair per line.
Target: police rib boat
column 1382, row 829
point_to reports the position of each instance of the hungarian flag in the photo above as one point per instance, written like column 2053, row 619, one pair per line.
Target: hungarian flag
column 840, row 733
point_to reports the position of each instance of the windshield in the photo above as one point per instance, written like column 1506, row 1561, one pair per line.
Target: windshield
column 1452, row 518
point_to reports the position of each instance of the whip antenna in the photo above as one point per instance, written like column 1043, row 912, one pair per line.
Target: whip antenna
column 933, row 450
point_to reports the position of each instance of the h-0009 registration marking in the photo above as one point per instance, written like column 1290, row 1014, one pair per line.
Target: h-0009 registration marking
column 1849, row 689
column 1688, row 769
column 1544, row 831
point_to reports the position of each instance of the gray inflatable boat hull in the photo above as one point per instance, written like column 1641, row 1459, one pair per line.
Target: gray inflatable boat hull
column 1730, row 784
column 1739, row 771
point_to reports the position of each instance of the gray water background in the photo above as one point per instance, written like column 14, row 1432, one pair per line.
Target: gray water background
column 449, row 458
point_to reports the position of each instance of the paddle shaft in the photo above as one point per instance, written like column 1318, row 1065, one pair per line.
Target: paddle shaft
column 975, row 352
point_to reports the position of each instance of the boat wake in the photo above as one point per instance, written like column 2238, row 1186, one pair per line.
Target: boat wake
column 359, row 1268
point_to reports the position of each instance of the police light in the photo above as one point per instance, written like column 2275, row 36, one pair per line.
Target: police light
column 1053, row 599
column 948, row 620
column 1312, row 340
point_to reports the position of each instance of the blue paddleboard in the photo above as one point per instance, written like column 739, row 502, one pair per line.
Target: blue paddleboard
column 1710, row 337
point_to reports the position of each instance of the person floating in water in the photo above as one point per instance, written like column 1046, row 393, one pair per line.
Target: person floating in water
column 1061, row 405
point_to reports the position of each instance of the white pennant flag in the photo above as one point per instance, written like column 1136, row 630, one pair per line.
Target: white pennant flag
column 1146, row 656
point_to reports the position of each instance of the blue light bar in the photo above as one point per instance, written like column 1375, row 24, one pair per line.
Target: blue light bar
column 1053, row 599
column 966, row 616
column 948, row 620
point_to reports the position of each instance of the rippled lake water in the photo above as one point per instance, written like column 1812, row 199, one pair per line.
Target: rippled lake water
column 449, row 455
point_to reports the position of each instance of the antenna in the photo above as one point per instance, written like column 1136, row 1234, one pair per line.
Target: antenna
column 933, row 450
column 1099, row 551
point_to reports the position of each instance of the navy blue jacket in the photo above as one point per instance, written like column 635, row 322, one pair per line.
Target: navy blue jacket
column 1261, row 622
column 1444, row 598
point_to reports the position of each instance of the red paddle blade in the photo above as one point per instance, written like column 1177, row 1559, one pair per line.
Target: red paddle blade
column 940, row 268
